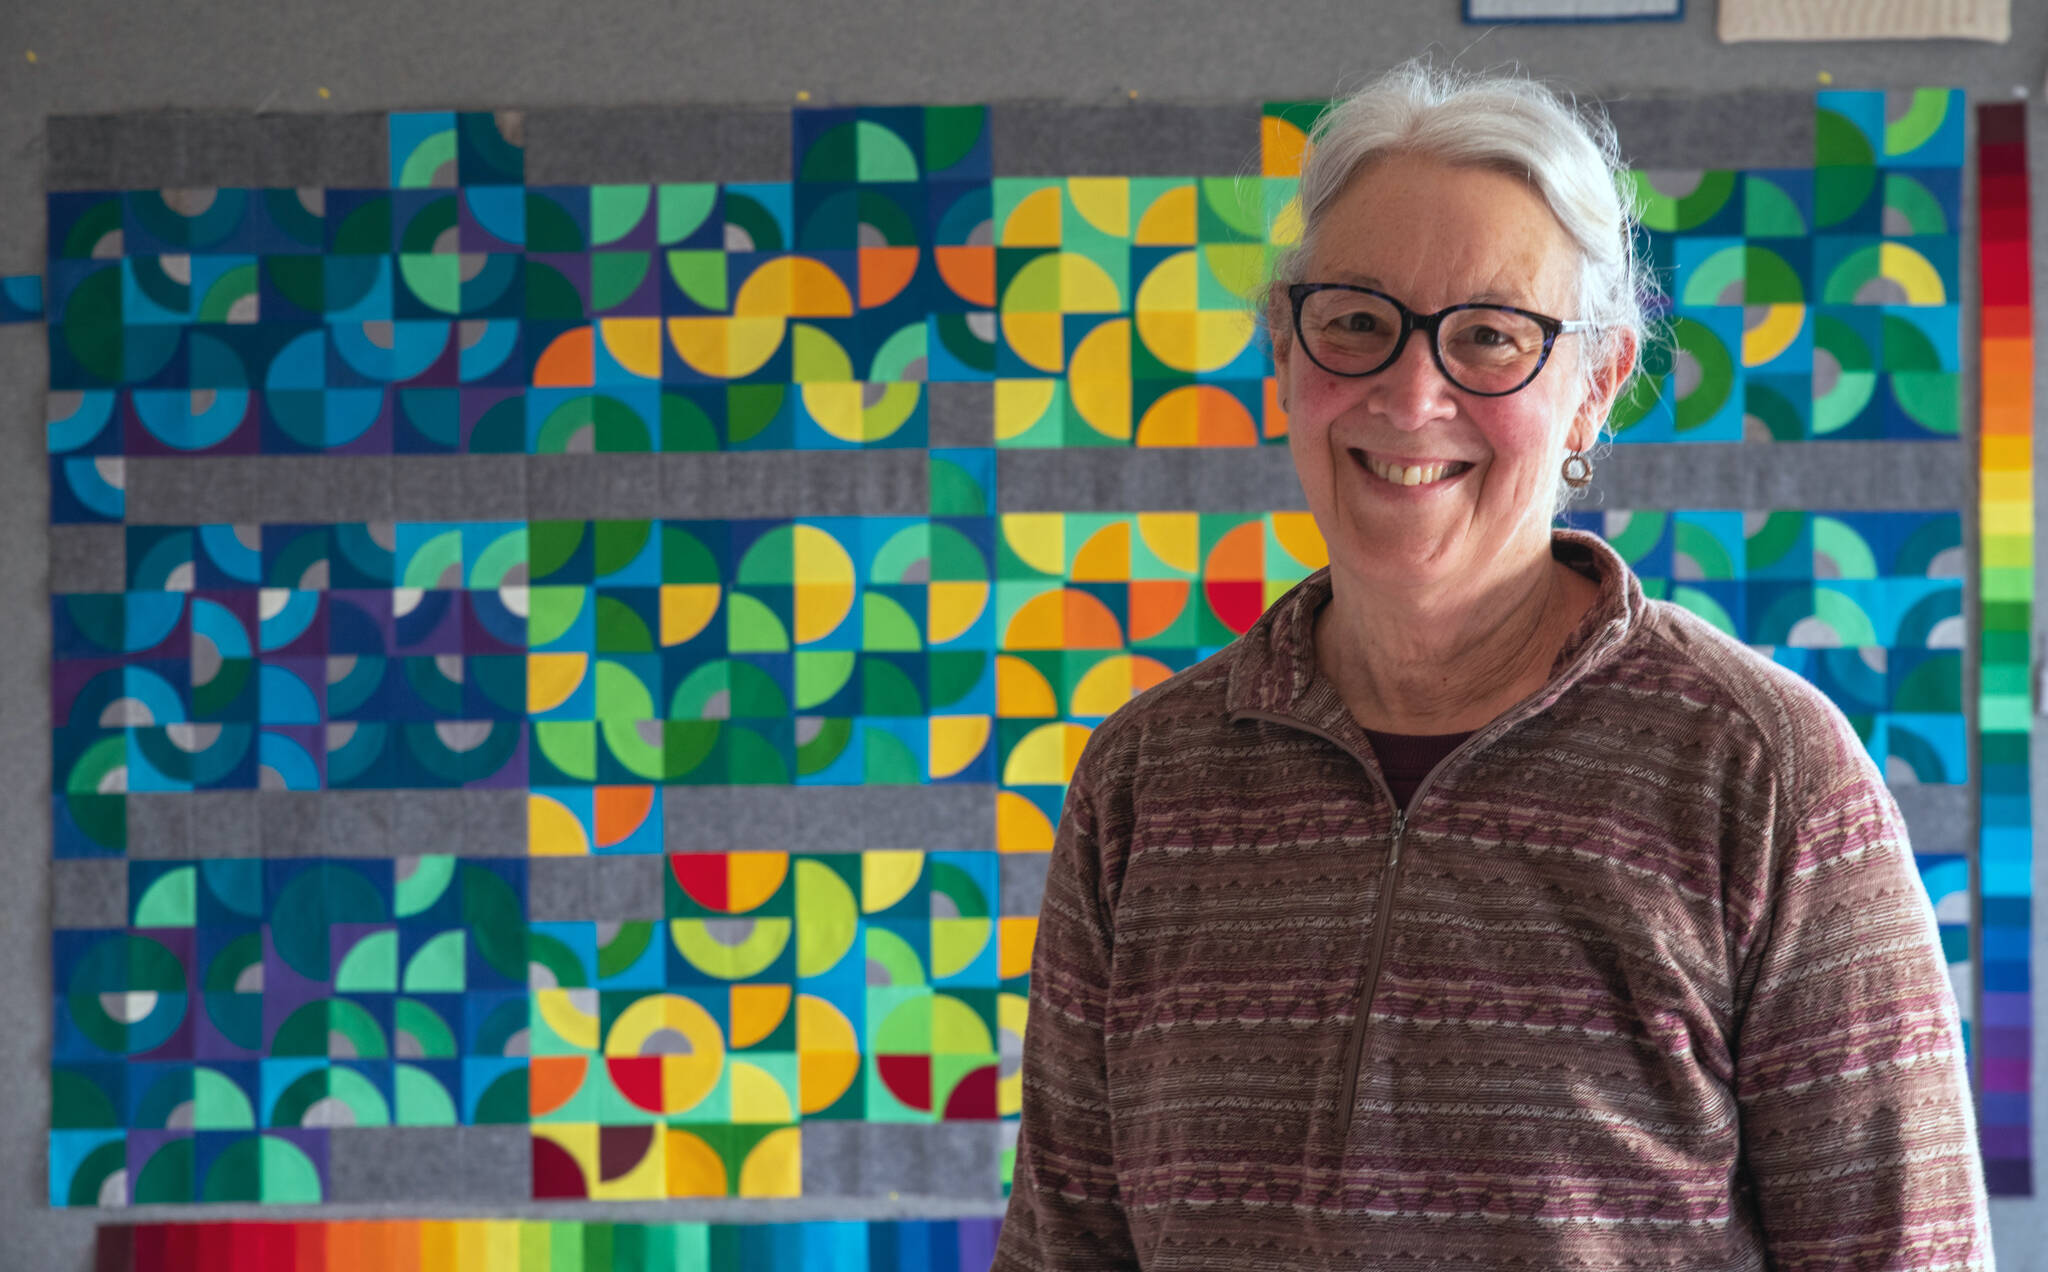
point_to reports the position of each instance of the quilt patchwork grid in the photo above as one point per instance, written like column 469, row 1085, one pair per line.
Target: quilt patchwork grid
column 699, row 1032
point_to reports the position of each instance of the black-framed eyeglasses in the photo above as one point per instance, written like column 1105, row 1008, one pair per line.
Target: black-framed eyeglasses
column 1490, row 350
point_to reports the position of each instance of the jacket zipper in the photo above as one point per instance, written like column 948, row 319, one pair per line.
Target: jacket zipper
column 1354, row 1048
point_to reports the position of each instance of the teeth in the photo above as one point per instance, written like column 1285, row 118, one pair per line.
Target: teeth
column 1409, row 474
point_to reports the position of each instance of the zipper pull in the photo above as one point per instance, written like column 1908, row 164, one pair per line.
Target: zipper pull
column 1400, row 831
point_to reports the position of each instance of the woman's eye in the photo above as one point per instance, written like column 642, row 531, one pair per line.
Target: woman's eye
column 1358, row 322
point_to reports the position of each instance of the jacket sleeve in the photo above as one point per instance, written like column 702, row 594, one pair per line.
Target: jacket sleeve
column 1859, row 1137
column 1065, row 1212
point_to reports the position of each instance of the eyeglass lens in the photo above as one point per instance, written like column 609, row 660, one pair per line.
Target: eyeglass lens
column 1484, row 350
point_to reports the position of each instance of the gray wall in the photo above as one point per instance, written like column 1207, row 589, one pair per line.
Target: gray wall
column 96, row 56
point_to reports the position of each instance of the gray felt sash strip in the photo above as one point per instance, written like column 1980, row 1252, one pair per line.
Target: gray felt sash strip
column 356, row 488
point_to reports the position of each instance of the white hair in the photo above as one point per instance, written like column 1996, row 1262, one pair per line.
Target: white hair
column 1511, row 124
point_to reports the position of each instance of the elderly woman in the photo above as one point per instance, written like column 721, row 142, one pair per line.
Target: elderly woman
column 1472, row 910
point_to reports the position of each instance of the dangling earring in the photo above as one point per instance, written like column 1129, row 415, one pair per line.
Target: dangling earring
column 1578, row 470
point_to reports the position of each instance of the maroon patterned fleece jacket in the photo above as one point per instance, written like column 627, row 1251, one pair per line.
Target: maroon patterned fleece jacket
column 1644, row 978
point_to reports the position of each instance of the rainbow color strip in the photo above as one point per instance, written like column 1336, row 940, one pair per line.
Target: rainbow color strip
column 513, row 1245
column 2004, row 707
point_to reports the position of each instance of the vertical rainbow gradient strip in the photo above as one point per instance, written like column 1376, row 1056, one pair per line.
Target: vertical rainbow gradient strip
column 545, row 1245
column 2004, row 1040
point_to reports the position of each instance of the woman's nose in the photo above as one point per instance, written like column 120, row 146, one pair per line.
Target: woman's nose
column 1412, row 390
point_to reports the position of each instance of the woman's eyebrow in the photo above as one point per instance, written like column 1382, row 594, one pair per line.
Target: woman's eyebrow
column 1487, row 297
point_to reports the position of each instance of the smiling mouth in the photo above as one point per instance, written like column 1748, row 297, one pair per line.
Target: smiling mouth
column 1402, row 474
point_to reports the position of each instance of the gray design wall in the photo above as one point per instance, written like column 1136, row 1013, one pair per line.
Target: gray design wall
column 1097, row 70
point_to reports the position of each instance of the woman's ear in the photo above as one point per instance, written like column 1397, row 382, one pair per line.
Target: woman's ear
column 1609, row 377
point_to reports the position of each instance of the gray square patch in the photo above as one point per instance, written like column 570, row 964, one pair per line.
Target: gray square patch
column 494, row 823
column 558, row 889
column 86, row 558
column 962, row 414
column 626, row 886
column 1022, row 880
column 89, row 894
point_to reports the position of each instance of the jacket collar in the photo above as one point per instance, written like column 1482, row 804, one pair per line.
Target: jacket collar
column 1275, row 672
